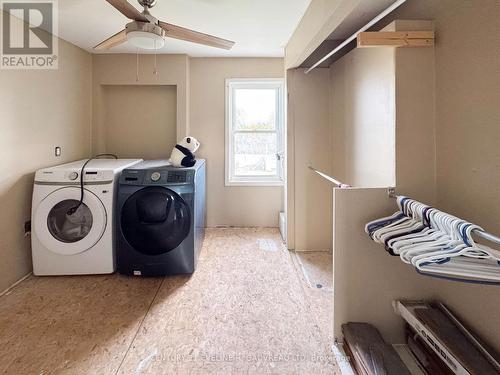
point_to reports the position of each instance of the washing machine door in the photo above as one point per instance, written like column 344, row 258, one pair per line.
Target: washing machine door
column 155, row 220
column 69, row 234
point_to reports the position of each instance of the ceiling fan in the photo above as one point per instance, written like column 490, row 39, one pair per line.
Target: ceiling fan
column 147, row 32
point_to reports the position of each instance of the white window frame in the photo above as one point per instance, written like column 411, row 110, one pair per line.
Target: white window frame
column 253, row 83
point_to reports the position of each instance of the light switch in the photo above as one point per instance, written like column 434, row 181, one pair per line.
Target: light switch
column 57, row 151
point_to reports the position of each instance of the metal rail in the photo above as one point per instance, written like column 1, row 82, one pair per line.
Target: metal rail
column 355, row 35
column 329, row 178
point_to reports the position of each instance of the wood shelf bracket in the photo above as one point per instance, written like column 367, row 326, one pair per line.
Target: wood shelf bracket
column 395, row 39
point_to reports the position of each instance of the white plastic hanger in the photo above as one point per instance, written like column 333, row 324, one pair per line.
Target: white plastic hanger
column 444, row 246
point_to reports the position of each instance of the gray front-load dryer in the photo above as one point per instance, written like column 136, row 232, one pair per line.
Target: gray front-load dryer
column 160, row 218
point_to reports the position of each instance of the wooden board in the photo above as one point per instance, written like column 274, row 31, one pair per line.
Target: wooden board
column 371, row 354
column 178, row 32
column 396, row 39
column 355, row 362
column 243, row 311
column 315, row 267
column 71, row 325
column 113, row 41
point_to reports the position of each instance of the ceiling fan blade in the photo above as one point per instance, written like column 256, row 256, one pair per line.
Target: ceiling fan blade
column 128, row 10
column 177, row 32
column 113, row 41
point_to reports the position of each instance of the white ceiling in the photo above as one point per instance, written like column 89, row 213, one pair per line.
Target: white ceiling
column 259, row 27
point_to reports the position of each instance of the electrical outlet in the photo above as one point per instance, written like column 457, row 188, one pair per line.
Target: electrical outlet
column 57, row 151
column 27, row 228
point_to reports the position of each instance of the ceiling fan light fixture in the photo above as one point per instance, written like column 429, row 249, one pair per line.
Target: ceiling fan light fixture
column 145, row 40
column 145, row 35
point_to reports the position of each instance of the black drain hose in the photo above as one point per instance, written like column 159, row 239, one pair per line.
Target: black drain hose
column 72, row 210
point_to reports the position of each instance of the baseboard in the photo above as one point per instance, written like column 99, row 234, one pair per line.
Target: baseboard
column 342, row 359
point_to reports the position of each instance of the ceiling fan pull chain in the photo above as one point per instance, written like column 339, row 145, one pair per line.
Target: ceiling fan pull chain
column 137, row 67
column 155, row 71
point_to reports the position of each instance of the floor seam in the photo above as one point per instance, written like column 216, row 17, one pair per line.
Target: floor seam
column 140, row 326
column 300, row 274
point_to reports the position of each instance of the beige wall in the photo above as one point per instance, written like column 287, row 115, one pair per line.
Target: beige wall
column 395, row 86
column 447, row 117
column 39, row 110
column 309, row 225
column 467, row 94
column 132, row 132
column 121, row 69
column 454, row 163
column 89, row 106
column 341, row 122
column 366, row 279
column 363, row 117
column 415, row 116
column 200, row 87
column 235, row 205
column 382, row 114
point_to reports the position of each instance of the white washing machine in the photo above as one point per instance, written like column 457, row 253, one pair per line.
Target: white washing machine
column 70, row 241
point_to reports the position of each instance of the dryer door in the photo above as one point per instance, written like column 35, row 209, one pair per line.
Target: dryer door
column 69, row 234
column 155, row 220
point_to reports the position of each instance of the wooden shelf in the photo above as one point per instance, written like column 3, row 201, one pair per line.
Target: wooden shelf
column 396, row 39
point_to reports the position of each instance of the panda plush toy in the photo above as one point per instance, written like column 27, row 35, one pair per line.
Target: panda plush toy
column 183, row 153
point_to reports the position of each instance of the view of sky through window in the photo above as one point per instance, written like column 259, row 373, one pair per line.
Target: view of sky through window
column 255, row 138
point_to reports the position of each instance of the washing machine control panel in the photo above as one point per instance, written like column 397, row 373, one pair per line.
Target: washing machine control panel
column 73, row 176
column 90, row 176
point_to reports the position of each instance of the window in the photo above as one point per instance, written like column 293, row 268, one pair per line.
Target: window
column 254, row 132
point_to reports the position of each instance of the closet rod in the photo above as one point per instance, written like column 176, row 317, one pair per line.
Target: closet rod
column 331, row 179
column 354, row 36
column 480, row 233
column 487, row 236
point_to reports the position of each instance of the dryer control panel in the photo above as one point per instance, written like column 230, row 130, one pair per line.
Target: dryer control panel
column 157, row 177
